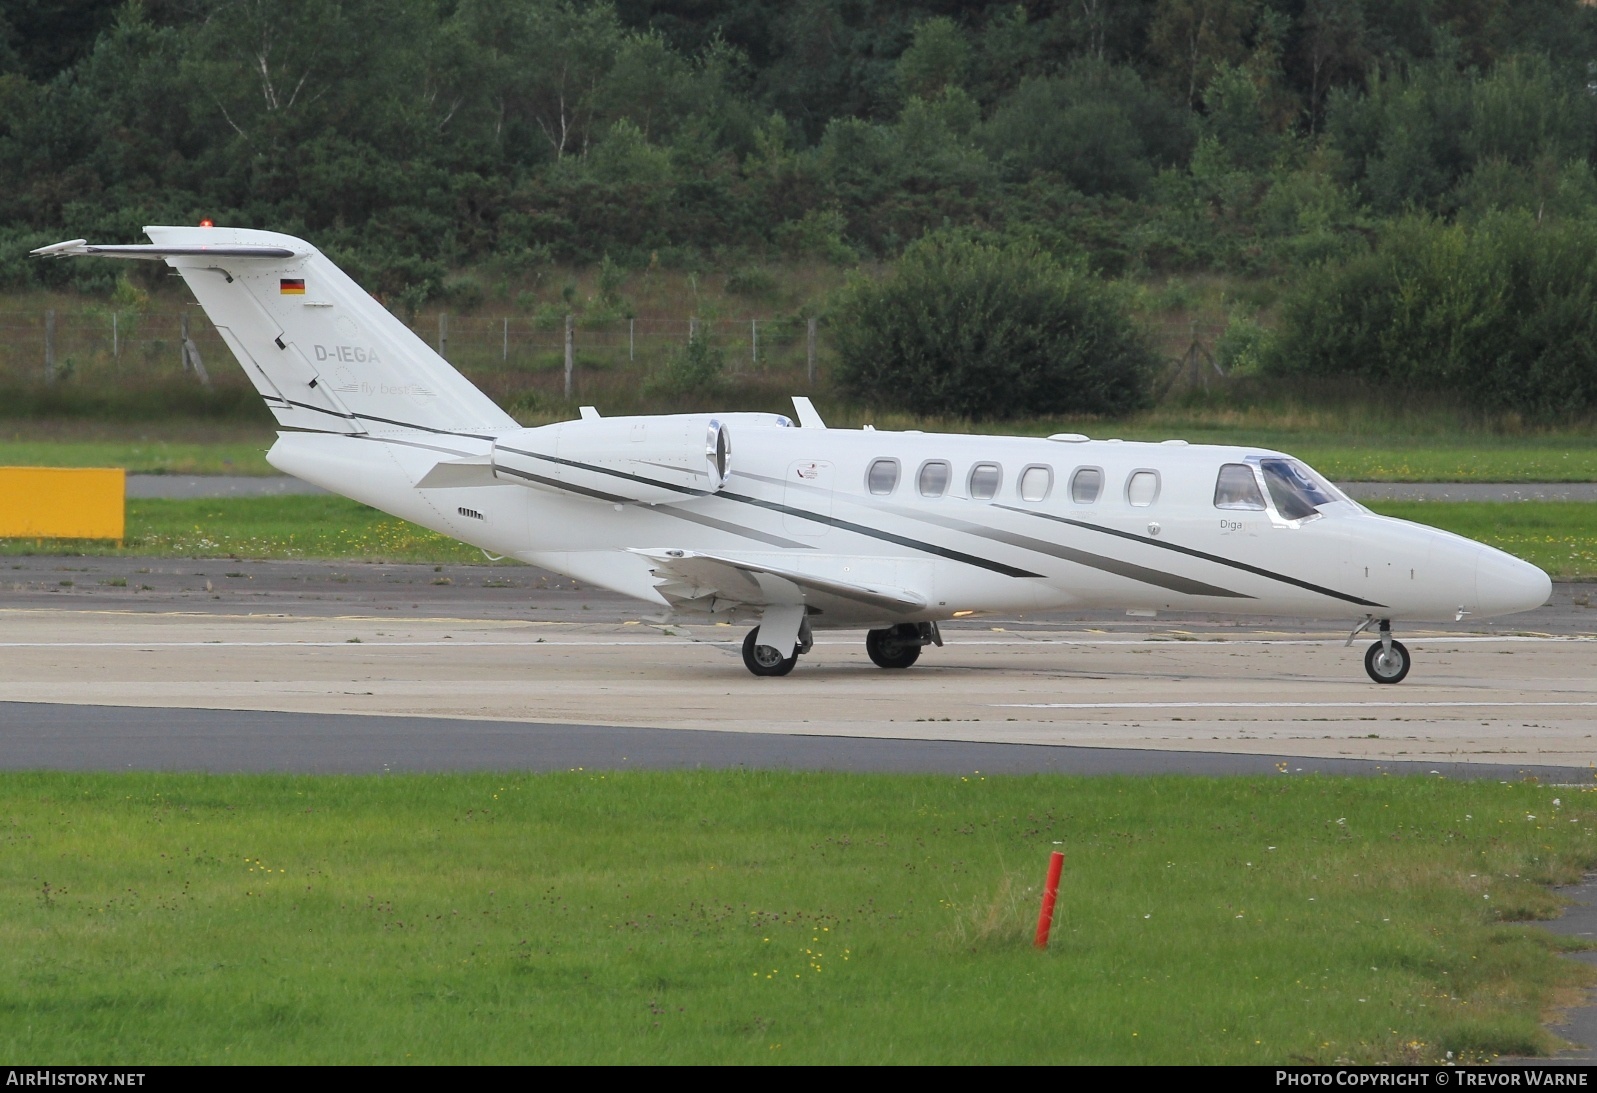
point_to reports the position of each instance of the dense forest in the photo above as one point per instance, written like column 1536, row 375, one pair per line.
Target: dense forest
column 1134, row 137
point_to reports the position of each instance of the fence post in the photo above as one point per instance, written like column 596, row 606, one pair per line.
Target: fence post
column 693, row 329
column 443, row 334
column 809, row 357
column 504, row 354
column 570, row 356
column 49, row 346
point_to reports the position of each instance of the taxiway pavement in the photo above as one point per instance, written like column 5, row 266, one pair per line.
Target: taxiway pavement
column 510, row 646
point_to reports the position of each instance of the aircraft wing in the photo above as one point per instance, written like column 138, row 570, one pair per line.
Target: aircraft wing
column 688, row 575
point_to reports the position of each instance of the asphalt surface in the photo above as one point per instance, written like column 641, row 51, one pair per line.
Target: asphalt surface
column 56, row 736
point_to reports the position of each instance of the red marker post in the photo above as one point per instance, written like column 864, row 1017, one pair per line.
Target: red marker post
column 1050, row 892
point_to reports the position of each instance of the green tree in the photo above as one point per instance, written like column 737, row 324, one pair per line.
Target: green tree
column 1499, row 315
column 937, row 58
column 981, row 331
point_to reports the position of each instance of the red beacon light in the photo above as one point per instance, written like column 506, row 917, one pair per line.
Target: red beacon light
column 206, row 223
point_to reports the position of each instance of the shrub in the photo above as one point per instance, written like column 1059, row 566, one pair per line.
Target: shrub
column 981, row 331
column 1501, row 315
column 694, row 369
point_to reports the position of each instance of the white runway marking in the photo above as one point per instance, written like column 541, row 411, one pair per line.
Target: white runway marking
column 1397, row 703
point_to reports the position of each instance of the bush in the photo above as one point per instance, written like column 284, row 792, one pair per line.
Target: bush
column 980, row 331
column 694, row 369
column 1501, row 315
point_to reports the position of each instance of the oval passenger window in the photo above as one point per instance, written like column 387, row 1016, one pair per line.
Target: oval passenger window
column 1143, row 488
column 1035, row 482
column 984, row 480
column 883, row 477
column 1085, row 485
column 934, row 478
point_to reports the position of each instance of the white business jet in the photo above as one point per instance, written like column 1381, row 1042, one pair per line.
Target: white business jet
column 744, row 518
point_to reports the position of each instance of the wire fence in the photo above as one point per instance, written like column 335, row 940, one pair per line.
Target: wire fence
column 117, row 347
column 510, row 356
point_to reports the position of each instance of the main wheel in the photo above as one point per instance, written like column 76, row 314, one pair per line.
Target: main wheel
column 888, row 650
column 766, row 660
column 1387, row 666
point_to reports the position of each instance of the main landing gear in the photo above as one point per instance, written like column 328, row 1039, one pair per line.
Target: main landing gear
column 767, row 660
column 899, row 646
column 894, row 647
column 1387, row 660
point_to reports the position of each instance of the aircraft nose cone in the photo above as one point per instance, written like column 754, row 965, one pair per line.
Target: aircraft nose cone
column 1504, row 584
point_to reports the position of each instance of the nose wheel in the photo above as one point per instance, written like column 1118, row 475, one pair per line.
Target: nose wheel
column 1387, row 660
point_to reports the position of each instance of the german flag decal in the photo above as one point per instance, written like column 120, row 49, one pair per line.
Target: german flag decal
column 291, row 286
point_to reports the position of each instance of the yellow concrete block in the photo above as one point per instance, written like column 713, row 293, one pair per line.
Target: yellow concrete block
column 63, row 502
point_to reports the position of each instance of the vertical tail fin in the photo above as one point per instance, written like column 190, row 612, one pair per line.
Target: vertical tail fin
column 321, row 351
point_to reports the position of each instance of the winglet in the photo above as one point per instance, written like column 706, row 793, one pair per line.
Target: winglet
column 589, row 413
column 809, row 417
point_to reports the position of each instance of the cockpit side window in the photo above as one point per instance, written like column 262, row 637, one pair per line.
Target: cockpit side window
column 1296, row 491
column 1236, row 488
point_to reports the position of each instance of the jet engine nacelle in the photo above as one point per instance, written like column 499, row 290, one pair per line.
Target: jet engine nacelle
column 647, row 460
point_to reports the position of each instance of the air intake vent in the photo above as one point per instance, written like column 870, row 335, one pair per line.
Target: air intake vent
column 472, row 513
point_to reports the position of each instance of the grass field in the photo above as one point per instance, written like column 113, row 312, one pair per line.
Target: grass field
column 757, row 917
column 291, row 527
column 1559, row 536
column 168, row 447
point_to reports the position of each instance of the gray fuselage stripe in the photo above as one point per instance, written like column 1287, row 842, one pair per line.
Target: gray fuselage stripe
column 1193, row 553
column 1130, row 570
column 803, row 514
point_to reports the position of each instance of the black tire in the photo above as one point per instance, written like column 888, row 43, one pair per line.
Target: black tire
column 888, row 650
column 1388, row 669
column 765, row 660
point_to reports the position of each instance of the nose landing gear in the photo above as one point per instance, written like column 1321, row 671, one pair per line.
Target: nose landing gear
column 1387, row 660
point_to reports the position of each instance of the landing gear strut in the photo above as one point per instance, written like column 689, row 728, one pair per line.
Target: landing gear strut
column 899, row 646
column 1387, row 661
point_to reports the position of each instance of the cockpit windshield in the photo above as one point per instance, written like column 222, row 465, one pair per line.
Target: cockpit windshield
column 1297, row 491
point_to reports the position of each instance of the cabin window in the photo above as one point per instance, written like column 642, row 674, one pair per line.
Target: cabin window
column 933, row 478
column 1085, row 485
column 1236, row 488
column 1035, row 482
column 1142, row 488
column 984, row 481
column 882, row 478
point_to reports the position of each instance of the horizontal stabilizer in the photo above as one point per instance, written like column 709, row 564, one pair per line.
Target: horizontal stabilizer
column 454, row 473
column 74, row 248
column 688, row 575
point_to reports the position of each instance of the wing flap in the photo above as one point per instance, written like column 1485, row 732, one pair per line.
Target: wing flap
column 690, row 575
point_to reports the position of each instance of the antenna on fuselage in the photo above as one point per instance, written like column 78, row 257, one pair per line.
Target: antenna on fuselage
column 809, row 417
